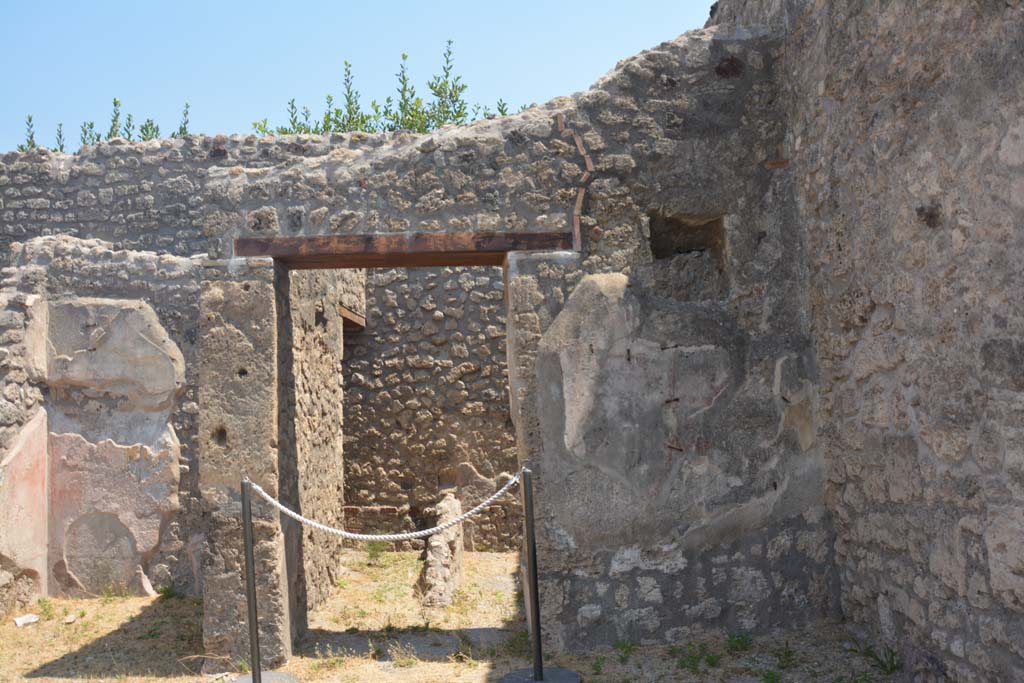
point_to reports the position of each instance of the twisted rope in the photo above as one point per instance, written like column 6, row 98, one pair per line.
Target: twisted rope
column 412, row 535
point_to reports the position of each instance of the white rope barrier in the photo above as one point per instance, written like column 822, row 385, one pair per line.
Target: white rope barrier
column 388, row 537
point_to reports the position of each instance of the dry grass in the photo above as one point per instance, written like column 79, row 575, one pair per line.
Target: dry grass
column 375, row 625
column 377, row 596
column 111, row 639
column 374, row 629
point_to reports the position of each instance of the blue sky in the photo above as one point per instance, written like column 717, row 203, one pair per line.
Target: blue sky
column 238, row 62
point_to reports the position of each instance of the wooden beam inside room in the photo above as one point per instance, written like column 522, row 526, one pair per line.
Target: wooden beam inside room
column 400, row 250
column 352, row 321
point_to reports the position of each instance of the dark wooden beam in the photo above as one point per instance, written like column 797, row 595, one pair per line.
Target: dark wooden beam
column 400, row 250
column 352, row 321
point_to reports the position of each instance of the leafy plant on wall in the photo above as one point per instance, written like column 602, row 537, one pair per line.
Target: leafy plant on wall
column 406, row 110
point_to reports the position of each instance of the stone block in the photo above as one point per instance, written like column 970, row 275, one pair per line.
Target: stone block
column 442, row 569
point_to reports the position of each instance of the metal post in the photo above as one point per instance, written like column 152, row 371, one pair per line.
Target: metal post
column 531, row 571
column 553, row 674
column 250, row 583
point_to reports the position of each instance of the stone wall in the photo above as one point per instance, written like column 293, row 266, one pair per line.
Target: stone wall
column 427, row 404
column 111, row 332
column 238, row 437
column 906, row 148
column 156, row 196
column 148, row 196
column 310, row 442
column 780, row 377
column 24, row 475
column 145, row 196
column 663, row 386
column 668, row 170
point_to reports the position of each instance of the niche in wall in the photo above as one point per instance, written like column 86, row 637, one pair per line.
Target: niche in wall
column 689, row 256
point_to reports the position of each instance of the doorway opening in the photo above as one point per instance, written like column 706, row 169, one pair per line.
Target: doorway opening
column 400, row 420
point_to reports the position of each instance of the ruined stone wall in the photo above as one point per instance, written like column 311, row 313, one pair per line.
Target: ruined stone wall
column 154, row 196
column 238, row 436
column 427, row 404
column 105, row 359
column 311, row 425
column 789, row 343
column 24, row 480
column 148, row 196
column 144, row 196
column 661, row 378
column 664, row 386
column 906, row 148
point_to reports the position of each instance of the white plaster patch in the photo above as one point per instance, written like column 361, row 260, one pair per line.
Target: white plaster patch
column 587, row 615
column 663, row 558
column 648, row 590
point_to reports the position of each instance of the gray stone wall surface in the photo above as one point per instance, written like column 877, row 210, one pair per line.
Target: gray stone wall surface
column 905, row 143
column 681, row 140
column 680, row 485
column 427, row 404
column 238, row 437
column 310, row 448
column 117, row 384
column 23, row 296
column 24, row 477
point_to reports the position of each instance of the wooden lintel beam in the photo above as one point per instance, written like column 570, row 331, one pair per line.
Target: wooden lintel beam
column 352, row 321
column 400, row 250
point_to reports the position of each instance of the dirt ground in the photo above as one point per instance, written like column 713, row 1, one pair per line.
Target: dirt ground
column 374, row 629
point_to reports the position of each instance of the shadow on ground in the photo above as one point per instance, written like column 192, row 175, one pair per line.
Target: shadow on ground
column 392, row 653
column 163, row 639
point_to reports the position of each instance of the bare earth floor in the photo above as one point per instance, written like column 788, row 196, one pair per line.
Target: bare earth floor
column 374, row 629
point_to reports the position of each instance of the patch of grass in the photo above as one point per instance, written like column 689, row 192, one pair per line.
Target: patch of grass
column 376, row 650
column 518, row 645
column 152, row 634
column 112, row 592
column 403, row 656
column 464, row 653
column 375, row 553
column 462, row 602
column 888, row 661
column 713, row 659
column 328, row 664
column 771, row 676
column 625, row 649
column 45, row 606
column 785, row 657
column 169, row 592
column 693, row 657
column 738, row 642
column 597, row 666
column 690, row 662
column 386, row 592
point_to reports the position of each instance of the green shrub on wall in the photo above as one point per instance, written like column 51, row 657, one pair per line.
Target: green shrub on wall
column 405, row 111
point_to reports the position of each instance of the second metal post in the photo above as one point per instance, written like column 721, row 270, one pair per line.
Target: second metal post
column 250, row 583
column 531, row 572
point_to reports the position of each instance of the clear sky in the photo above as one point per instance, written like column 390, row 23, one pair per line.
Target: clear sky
column 238, row 62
